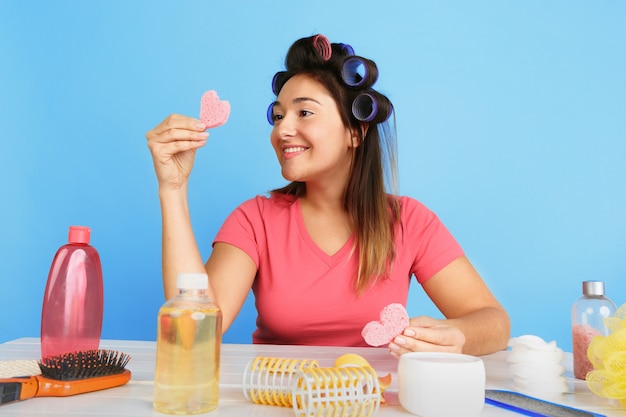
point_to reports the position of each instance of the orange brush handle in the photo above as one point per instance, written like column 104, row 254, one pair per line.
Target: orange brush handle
column 54, row 388
column 40, row 386
column 29, row 386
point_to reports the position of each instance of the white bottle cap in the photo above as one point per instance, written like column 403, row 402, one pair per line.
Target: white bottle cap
column 192, row 281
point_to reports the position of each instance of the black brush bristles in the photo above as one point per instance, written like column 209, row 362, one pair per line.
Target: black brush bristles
column 84, row 364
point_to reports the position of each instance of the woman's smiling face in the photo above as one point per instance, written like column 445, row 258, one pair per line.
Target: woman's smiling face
column 309, row 137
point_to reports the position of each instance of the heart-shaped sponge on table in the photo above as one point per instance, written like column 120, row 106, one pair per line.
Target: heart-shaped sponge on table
column 213, row 111
column 393, row 320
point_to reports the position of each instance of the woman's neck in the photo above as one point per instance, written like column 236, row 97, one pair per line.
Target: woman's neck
column 324, row 199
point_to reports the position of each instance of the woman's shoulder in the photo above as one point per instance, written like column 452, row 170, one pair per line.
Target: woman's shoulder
column 413, row 211
column 268, row 203
column 408, row 203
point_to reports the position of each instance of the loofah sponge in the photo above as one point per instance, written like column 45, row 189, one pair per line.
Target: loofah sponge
column 608, row 356
column 393, row 320
column 213, row 111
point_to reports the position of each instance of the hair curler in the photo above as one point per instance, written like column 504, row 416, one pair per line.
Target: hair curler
column 365, row 107
column 278, row 81
column 371, row 107
column 323, row 47
column 346, row 49
column 357, row 71
column 269, row 380
column 326, row 392
column 270, row 113
column 311, row 390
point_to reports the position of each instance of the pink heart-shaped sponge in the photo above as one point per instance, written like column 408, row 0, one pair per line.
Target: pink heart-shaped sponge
column 393, row 320
column 213, row 111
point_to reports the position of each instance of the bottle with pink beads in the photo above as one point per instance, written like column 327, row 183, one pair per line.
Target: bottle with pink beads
column 588, row 320
column 71, row 317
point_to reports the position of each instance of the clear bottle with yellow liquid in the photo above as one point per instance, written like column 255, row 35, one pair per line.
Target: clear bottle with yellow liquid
column 189, row 338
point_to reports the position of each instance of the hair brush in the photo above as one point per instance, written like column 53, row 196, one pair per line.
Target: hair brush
column 69, row 374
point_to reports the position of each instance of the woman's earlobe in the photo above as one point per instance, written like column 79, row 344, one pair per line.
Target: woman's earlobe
column 357, row 138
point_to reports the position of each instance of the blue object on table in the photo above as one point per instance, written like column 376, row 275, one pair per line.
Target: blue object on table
column 531, row 406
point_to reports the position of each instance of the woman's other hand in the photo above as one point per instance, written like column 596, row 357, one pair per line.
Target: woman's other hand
column 426, row 334
column 475, row 323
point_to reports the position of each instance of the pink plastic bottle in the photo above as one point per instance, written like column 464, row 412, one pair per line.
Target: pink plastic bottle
column 71, row 317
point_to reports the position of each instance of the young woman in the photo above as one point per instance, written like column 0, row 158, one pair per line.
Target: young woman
column 324, row 254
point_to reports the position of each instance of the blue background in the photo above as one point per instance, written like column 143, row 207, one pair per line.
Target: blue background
column 511, row 121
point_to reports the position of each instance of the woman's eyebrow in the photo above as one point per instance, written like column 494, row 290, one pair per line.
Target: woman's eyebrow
column 297, row 100
column 301, row 99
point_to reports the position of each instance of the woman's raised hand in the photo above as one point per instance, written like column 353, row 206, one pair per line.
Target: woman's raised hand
column 173, row 144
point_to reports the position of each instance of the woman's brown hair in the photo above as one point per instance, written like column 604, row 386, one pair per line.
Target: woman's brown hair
column 372, row 211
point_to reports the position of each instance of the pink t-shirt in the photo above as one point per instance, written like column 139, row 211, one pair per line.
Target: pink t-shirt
column 305, row 296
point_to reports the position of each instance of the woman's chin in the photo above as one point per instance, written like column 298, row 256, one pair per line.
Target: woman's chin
column 292, row 177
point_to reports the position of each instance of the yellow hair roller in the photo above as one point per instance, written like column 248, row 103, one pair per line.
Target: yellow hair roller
column 269, row 380
column 338, row 392
column 349, row 389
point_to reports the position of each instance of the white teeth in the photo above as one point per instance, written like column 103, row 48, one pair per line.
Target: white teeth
column 294, row 149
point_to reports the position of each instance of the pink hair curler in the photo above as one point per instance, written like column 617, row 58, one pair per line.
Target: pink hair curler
column 323, row 47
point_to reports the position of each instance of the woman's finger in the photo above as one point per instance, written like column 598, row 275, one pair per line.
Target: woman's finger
column 174, row 135
column 177, row 122
column 441, row 338
column 168, row 149
column 441, row 335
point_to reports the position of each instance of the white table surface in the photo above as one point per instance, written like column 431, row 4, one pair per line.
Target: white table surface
column 135, row 398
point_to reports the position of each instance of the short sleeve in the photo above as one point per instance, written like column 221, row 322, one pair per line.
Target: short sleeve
column 244, row 228
column 434, row 246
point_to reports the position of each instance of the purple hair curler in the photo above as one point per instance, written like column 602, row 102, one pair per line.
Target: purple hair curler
column 270, row 113
column 365, row 107
column 278, row 81
column 358, row 72
column 323, row 47
column 347, row 49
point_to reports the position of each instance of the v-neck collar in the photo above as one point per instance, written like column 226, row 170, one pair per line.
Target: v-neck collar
column 330, row 260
